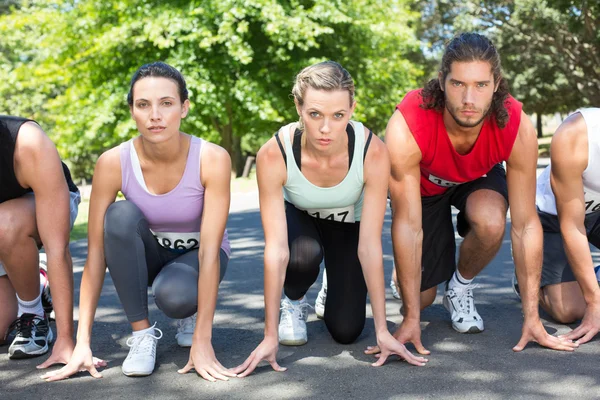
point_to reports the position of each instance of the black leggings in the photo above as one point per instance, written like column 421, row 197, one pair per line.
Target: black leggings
column 309, row 240
column 136, row 260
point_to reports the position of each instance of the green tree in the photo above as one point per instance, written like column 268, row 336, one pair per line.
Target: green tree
column 69, row 63
column 550, row 49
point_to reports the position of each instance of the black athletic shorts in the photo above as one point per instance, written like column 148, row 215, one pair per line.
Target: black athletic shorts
column 556, row 268
column 439, row 242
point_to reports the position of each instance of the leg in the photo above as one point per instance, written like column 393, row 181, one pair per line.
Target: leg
column 346, row 287
column 9, row 306
column 563, row 301
column 485, row 214
column 19, row 240
column 302, row 271
column 561, row 295
column 306, row 253
column 175, row 288
column 483, row 204
column 439, row 245
column 133, row 258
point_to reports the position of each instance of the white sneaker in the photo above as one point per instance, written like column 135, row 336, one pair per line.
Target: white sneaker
column 142, row 354
column 321, row 298
column 292, row 325
column 185, row 331
column 460, row 304
column 395, row 292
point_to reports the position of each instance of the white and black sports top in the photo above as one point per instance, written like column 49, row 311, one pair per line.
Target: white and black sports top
column 545, row 199
column 342, row 202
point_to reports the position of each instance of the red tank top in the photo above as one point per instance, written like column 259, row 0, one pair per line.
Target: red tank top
column 441, row 165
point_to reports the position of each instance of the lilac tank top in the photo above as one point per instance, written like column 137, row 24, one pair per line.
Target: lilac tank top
column 174, row 217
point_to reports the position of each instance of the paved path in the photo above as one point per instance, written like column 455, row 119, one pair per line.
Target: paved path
column 461, row 366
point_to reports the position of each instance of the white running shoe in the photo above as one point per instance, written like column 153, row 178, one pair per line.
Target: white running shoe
column 185, row 331
column 460, row 304
column 142, row 354
column 395, row 292
column 292, row 325
column 321, row 298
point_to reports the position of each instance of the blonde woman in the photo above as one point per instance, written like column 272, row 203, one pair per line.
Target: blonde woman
column 322, row 186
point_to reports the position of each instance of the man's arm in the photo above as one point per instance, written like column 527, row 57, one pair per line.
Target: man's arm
column 407, row 230
column 526, row 234
column 38, row 166
column 569, row 151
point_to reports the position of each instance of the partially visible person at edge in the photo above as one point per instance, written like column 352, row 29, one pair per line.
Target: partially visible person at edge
column 169, row 233
column 38, row 205
column 322, row 187
column 447, row 143
column 568, row 201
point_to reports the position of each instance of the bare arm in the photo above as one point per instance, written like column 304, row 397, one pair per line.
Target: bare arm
column 407, row 230
column 105, row 186
column 38, row 166
column 271, row 175
column 526, row 230
column 569, row 153
column 216, row 178
column 526, row 235
column 215, row 174
column 370, row 254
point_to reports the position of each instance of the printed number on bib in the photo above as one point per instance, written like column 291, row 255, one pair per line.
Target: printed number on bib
column 344, row 214
column 178, row 240
column 592, row 202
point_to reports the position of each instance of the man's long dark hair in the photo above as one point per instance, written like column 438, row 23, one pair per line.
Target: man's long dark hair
column 469, row 47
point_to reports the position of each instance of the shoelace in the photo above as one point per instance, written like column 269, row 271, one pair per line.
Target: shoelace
column 299, row 312
column 186, row 324
column 24, row 324
column 144, row 343
column 464, row 297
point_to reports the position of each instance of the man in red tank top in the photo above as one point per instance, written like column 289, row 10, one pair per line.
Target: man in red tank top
column 447, row 142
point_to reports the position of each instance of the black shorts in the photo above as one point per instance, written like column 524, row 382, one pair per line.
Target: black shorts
column 556, row 268
column 439, row 242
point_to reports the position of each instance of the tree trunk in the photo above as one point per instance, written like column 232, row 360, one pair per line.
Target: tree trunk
column 539, row 125
column 237, row 158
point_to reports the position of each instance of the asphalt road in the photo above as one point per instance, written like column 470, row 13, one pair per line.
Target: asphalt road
column 461, row 366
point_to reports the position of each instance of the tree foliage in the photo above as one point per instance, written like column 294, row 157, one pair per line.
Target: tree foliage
column 67, row 63
column 550, row 49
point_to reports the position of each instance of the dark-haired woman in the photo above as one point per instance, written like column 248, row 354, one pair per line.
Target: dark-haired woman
column 160, row 236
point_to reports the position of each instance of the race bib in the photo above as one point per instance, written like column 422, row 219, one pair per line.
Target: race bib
column 178, row 241
column 343, row 214
column 442, row 182
column 592, row 201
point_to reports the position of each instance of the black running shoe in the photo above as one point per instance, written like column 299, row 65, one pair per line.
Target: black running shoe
column 46, row 296
column 33, row 336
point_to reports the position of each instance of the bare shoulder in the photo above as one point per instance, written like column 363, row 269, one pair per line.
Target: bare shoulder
column 32, row 140
column 270, row 152
column 215, row 155
column 376, row 148
column 107, row 173
column 570, row 143
column 571, row 133
column 400, row 142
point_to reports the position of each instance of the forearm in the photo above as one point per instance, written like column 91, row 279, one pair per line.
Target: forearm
column 527, row 254
column 91, row 287
column 580, row 260
column 371, row 260
column 60, row 274
column 407, row 256
column 208, row 288
column 276, row 261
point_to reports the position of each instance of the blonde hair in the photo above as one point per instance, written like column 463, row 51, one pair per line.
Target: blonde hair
column 326, row 75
